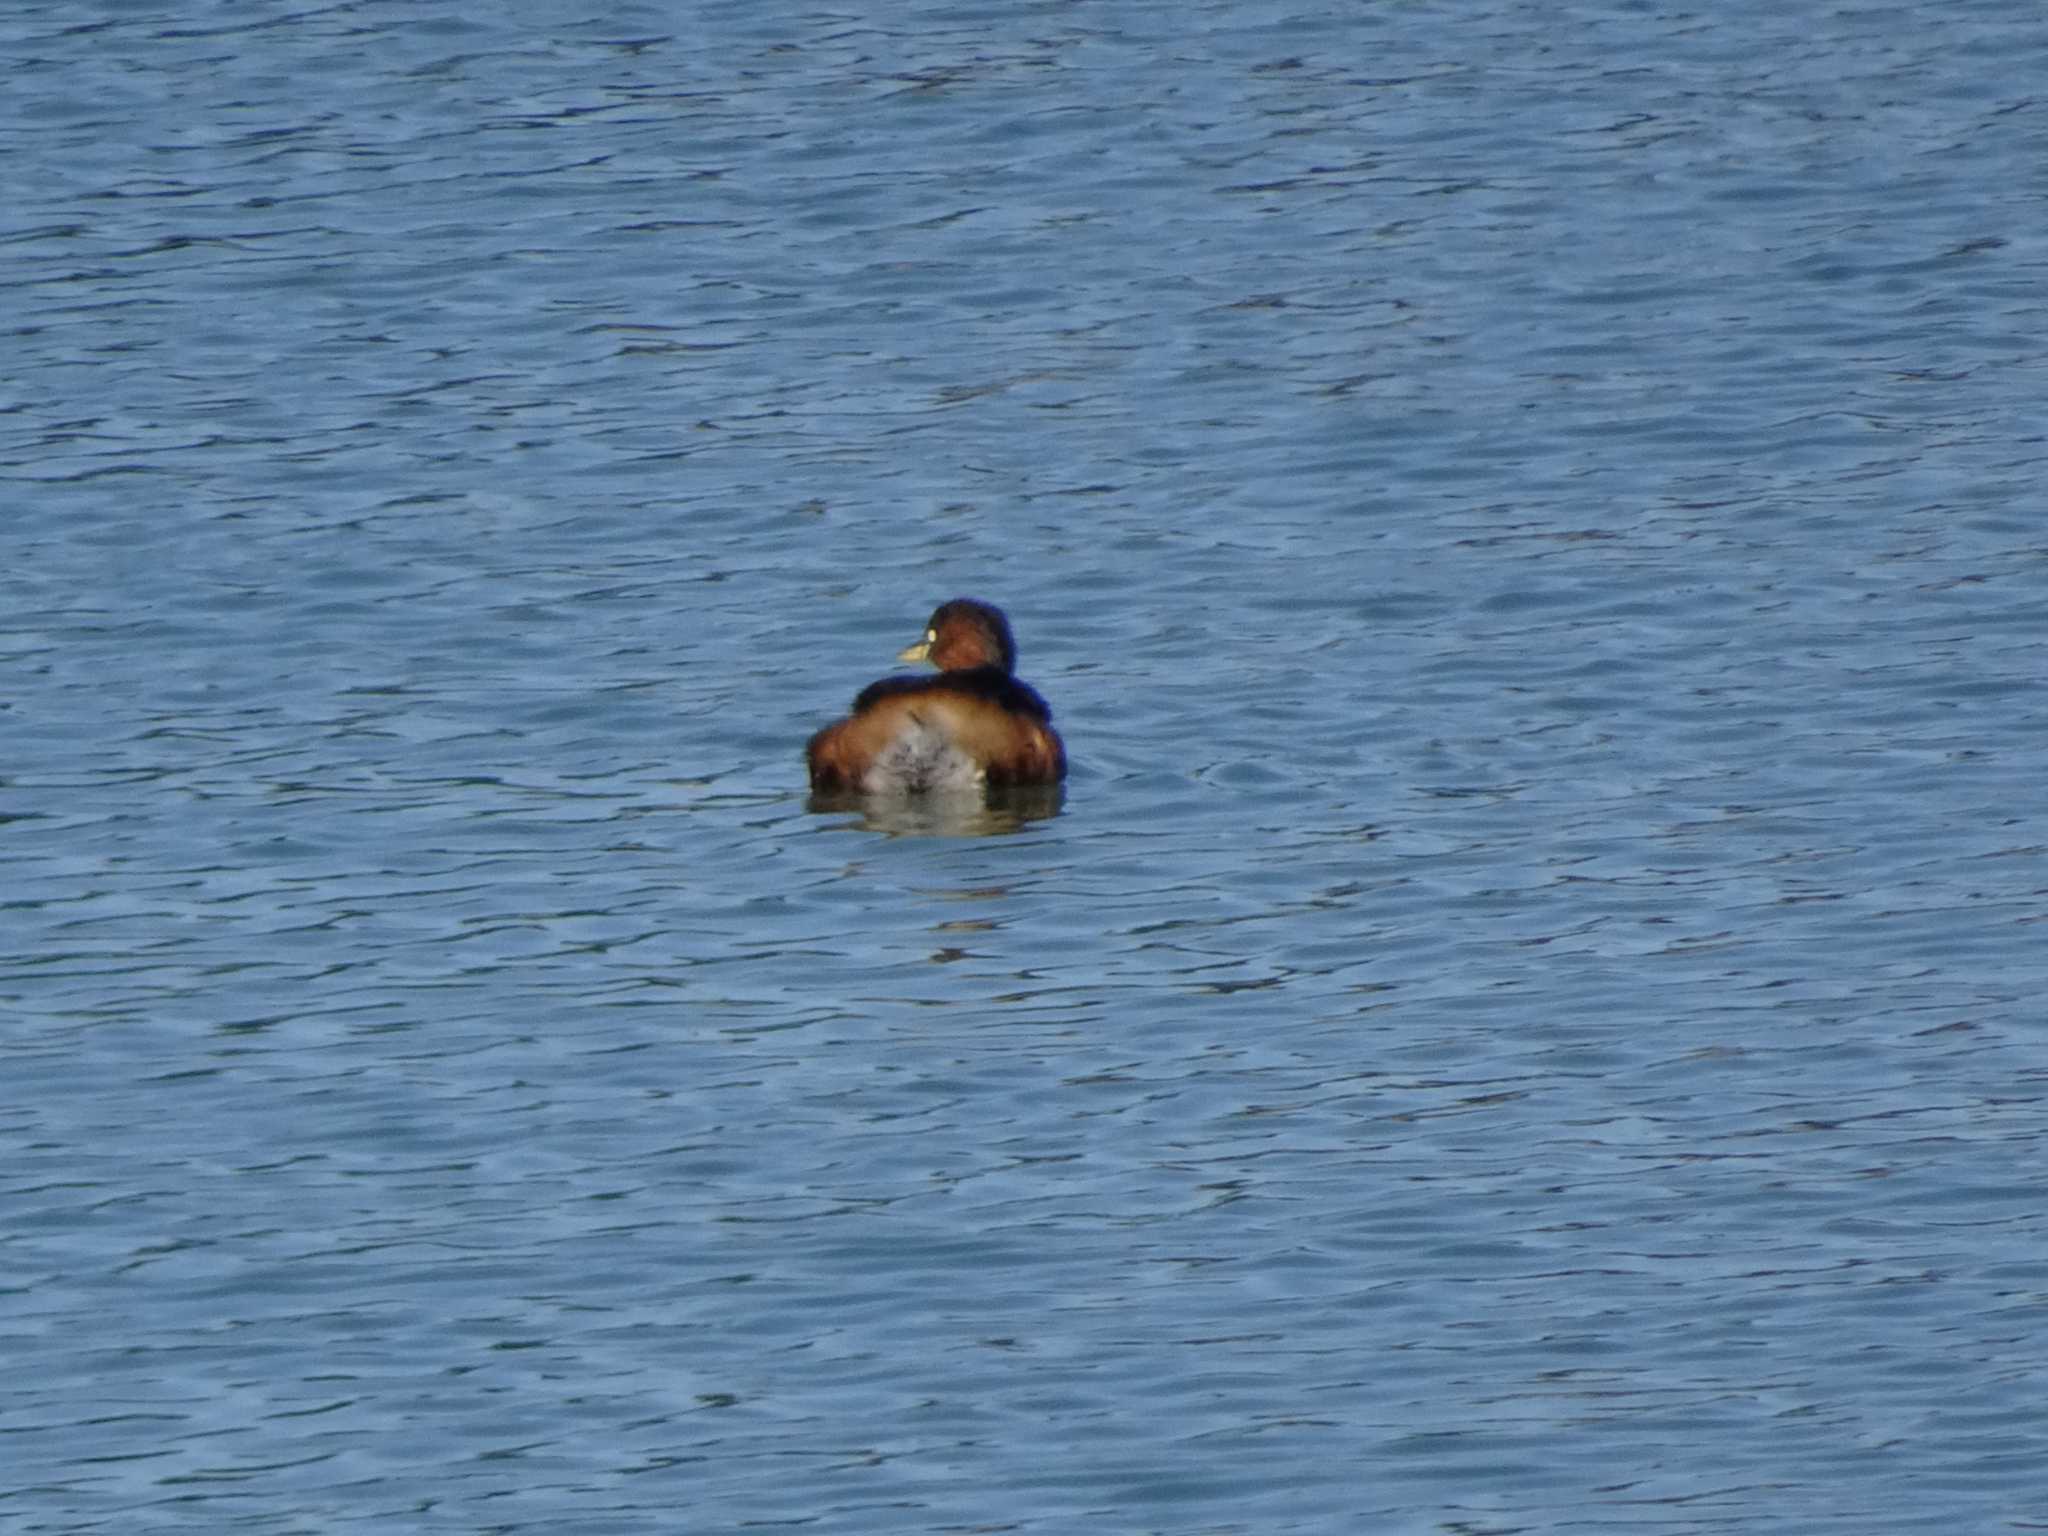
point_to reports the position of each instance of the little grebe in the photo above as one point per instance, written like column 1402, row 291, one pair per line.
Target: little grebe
column 971, row 725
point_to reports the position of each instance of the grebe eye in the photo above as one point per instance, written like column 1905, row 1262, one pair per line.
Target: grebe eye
column 931, row 636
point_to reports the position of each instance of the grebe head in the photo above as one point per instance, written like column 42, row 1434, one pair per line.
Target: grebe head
column 963, row 634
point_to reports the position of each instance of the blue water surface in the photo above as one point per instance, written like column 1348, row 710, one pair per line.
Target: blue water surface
column 1527, row 1017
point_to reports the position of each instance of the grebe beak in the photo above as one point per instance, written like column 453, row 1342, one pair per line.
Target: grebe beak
column 922, row 651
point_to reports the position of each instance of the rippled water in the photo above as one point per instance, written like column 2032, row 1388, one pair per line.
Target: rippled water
column 1527, row 1014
